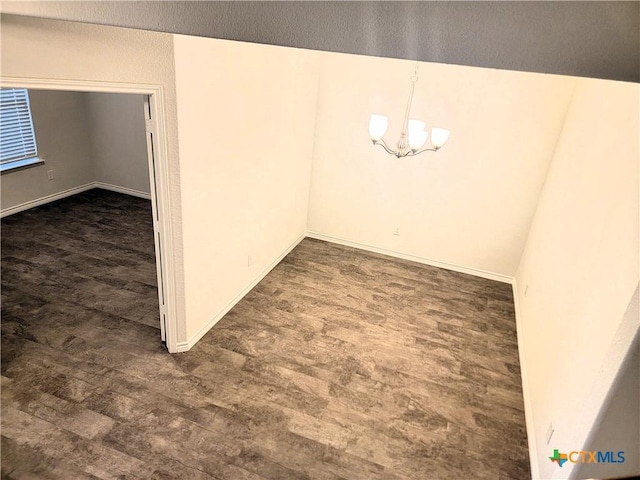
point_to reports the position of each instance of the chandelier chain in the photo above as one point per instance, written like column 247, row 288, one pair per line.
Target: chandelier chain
column 414, row 78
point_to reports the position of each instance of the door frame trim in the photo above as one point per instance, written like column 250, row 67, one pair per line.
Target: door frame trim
column 163, row 228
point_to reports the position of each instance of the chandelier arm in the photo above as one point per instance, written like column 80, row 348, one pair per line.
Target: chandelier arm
column 418, row 152
column 384, row 145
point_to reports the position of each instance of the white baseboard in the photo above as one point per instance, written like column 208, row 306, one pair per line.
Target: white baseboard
column 126, row 191
column 526, row 391
column 185, row 346
column 67, row 193
column 46, row 199
column 434, row 263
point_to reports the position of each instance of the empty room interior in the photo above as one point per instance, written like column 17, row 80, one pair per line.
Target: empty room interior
column 213, row 267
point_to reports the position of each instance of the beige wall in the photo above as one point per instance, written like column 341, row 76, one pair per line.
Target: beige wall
column 62, row 135
column 49, row 49
column 118, row 140
column 246, row 115
column 579, row 270
column 469, row 205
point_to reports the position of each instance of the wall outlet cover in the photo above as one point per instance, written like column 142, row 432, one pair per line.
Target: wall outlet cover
column 550, row 431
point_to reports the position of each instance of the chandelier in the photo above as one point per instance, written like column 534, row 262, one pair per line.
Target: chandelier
column 413, row 136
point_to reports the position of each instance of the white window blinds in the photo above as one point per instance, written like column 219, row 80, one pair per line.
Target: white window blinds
column 17, row 138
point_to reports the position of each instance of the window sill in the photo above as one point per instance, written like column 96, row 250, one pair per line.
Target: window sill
column 21, row 165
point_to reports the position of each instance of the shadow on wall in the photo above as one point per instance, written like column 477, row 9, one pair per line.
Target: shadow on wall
column 618, row 426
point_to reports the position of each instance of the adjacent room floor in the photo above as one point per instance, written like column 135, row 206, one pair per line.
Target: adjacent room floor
column 340, row 364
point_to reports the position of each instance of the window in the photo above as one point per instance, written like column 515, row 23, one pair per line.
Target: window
column 17, row 138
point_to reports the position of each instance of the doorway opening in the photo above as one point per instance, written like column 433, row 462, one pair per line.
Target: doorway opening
column 152, row 110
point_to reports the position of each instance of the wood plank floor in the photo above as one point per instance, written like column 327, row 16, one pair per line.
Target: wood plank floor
column 340, row 364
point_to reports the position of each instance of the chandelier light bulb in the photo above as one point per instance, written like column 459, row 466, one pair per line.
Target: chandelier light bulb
column 417, row 135
column 417, row 139
column 416, row 126
column 378, row 126
column 439, row 137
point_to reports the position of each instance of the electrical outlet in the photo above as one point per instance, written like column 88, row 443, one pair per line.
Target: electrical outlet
column 397, row 231
column 550, row 431
column 50, row 174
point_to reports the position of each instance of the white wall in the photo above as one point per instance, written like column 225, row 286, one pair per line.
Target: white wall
column 62, row 136
column 470, row 205
column 118, row 140
column 49, row 49
column 246, row 115
column 579, row 270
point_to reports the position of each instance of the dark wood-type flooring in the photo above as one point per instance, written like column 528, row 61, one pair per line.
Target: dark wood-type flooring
column 340, row 364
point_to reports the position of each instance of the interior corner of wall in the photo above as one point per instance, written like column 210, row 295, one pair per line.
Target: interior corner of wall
column 552, row 154
column 526, row 390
